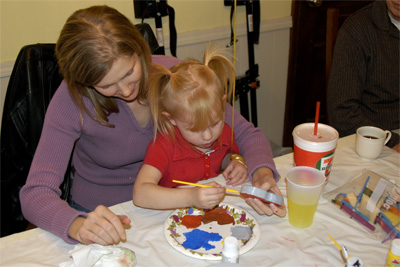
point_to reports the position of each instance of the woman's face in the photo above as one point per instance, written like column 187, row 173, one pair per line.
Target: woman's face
column 123, row 79
column 394, row 8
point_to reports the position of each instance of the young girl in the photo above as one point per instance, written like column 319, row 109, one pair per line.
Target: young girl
column 192, row 141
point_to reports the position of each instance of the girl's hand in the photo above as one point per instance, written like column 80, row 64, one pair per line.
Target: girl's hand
column 263, row 178
column 102, row 227
column 235, row 173
column 208, row 197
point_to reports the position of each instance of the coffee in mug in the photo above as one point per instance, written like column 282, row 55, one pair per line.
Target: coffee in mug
column 370, row 141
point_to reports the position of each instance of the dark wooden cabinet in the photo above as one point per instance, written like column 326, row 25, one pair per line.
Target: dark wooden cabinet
column 306, row 74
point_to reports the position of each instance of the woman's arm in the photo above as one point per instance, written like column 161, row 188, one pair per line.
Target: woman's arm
column 40, row 196
column 253, row 144
column 255, row 148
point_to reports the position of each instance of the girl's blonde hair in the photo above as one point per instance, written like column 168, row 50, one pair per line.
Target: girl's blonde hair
column 91, row 40
column 193, row 90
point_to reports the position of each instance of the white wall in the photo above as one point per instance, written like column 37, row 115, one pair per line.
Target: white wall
column 271, row 55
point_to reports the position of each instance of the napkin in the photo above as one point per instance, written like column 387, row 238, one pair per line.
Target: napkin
column 100, row 256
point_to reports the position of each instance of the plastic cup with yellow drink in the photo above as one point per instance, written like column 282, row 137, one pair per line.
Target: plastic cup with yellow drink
column 304, row 186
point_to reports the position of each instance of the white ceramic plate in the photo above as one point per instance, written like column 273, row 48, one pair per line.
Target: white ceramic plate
column 206, row 241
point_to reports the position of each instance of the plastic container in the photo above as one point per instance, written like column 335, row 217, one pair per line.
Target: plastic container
column 230, row 252
column 304, row 186
column 394, row 254
column 315, row 151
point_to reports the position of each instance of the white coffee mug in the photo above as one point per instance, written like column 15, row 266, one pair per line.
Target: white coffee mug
column 370, row 141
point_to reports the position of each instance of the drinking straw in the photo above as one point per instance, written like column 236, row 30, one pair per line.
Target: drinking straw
column 316, row 118
column 202, row 185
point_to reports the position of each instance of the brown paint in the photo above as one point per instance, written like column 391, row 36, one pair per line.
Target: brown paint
column 192, row 221
column 220, row 215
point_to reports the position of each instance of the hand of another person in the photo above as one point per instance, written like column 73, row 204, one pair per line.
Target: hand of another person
column 101, row 226
column 397, row 148
column 263, row 178
column 235, row 173
column 208, row 197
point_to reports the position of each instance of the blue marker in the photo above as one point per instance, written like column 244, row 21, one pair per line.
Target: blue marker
column 361, row 193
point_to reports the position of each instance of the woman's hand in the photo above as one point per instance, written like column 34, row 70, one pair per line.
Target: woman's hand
column 102, row 227
column 235, row 173
column 208, row 197
column 263, row 178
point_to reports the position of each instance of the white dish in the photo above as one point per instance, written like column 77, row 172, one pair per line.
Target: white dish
column 197, row 242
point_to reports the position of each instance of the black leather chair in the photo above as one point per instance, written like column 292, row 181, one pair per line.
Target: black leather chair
column 33, row 82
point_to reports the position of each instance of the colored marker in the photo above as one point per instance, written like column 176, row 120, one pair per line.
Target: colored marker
column 358, row 216
column 362, row 192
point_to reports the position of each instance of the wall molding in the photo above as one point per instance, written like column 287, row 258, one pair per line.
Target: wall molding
column 6, row 68
column 196, row 37
column 190, row 38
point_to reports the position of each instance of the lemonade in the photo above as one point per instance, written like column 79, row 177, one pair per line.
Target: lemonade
column 304, row 186
column 301, row 215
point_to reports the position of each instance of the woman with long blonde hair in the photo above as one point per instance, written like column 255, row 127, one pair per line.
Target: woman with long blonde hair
column 100, row 118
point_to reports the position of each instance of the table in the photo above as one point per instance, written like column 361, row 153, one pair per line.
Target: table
column 280, row 245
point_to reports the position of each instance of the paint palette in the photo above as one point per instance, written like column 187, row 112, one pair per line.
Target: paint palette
column 200, row 233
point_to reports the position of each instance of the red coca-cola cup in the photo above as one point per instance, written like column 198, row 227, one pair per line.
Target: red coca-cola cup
column 315, row 151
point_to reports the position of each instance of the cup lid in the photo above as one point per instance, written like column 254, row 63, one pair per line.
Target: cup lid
column 325, row 140
column 325, row 133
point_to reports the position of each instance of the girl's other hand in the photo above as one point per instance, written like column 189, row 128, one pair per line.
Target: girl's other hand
column 235, row 173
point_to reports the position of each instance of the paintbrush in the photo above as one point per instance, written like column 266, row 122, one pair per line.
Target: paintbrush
column 340, row 248
column 202, row 185
column 247, row 191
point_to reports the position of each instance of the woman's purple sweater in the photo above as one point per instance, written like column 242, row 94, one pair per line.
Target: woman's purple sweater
column 106, row 160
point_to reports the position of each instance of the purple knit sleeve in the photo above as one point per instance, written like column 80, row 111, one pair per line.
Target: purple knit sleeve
column 40, row 196
column 253, row 144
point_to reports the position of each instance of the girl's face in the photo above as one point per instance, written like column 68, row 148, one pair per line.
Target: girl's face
column 123, row 79
column 202, row 140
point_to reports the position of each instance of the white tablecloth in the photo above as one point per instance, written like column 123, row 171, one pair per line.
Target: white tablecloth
column 280, row 245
